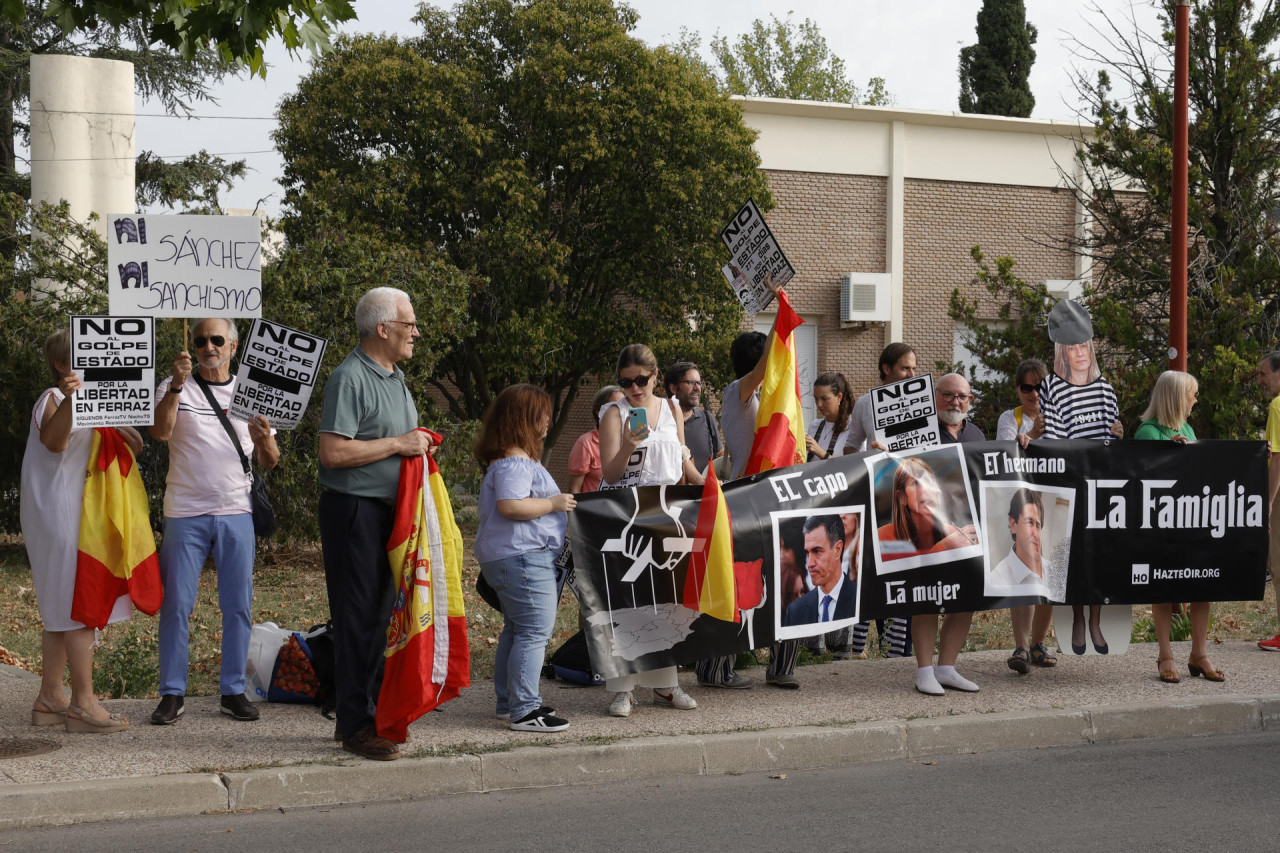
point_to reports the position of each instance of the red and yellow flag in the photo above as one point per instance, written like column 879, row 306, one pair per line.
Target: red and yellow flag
column 117, row 550
column 779, row 437
column 709, row 585
column 428, row 662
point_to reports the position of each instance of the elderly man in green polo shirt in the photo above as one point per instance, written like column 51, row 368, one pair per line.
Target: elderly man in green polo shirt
column 368, row 422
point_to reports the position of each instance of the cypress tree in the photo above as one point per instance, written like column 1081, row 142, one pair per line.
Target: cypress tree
column 994, row 72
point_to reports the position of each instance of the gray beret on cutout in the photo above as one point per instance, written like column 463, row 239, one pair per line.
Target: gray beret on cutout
column 1069, row 323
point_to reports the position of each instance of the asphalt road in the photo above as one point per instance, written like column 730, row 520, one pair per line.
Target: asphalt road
column 1194, row 794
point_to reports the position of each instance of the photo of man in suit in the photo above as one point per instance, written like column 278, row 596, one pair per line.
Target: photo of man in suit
column 833, row 596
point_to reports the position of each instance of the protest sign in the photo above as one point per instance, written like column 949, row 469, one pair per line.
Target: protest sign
column 116, row 362
column 184, row 266
column 278, row 370
column 924, row 531
column 753, row 253
column 904, row 413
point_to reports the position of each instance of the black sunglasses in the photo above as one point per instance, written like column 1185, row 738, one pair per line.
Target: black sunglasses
column 1027, row 389
column 216, row 340
column 640, row 381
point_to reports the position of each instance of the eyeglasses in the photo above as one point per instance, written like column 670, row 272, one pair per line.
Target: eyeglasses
column 639, row 381
column 1027, row 389
column 405, row 323
column 951, row 395
column 216, row 340
column 694, row 383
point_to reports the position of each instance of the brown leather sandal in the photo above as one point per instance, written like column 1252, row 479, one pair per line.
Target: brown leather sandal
column 1170, row 675
column 1201, row 667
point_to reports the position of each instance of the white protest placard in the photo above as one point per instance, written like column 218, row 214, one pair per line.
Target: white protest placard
column 278, row 370
column 115, row 358
column 905, row 413
column 753, row 253
column 184, row 266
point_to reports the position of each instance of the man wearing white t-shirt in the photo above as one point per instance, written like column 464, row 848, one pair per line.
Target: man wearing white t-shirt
column 206, row 511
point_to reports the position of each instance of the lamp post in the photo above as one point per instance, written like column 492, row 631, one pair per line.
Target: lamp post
column 1178, row 248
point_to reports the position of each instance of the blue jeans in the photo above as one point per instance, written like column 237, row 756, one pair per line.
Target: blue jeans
column 187, row 542
column 526, row 587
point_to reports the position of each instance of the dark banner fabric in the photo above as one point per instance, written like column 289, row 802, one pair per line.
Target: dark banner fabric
column 979, row 526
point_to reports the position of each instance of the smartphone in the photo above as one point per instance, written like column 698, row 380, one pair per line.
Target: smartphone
column 637, row 418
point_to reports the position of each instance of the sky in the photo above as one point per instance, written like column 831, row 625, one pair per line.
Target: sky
column 916, row 52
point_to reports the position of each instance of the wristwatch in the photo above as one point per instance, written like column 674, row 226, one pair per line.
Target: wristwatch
column 173, row 390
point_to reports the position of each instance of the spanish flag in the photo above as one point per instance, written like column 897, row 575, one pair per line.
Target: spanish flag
column 428, row 662
column 709, row 584
column 117, row 552
column 779, row 437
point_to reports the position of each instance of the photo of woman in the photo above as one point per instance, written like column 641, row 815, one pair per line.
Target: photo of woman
column 924, row 511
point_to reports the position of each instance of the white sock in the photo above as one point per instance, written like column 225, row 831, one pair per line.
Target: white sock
column 944, row 671
column 926, row 682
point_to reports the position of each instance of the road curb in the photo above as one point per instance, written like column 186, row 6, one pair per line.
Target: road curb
column 771, row 750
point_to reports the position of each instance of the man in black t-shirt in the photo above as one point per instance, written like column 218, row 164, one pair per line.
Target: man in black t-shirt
column 701, row 432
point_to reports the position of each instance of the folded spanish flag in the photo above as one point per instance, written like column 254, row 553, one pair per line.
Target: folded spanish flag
column 117, row 552
column 779, row 439
column 428, row 662
column 709, row 585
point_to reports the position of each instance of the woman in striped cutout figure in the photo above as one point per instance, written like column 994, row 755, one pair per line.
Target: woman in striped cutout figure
column 1078, row 403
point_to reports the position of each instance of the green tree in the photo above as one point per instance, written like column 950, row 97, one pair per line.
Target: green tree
column 579, row 179
column 994, row 72
column 781, row 59
column 190, row 185
column 1234, row 177
column 236, row 32
column 1019, row 331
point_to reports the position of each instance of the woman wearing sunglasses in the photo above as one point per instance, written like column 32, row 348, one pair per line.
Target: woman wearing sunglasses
column 643, row 450
column 1031, row 622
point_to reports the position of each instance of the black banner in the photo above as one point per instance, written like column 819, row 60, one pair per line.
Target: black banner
column 980, row 526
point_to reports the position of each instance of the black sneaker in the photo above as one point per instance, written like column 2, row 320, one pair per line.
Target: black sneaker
column 168, row 711
column 541, row 720
column 239, row 707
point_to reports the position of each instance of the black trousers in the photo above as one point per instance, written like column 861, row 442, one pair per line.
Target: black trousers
column 353, row 535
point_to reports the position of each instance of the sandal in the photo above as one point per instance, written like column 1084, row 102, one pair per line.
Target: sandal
column 1041, row 656
column 82, row 723
column 1204, row 669
column 44, row 714
column 1018, row 661
column 1170, row 675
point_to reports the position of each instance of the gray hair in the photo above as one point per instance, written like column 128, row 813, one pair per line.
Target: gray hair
column 377, row 306
column 233, row 334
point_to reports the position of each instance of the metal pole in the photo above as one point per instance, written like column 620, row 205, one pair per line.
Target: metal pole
column 1178, row 255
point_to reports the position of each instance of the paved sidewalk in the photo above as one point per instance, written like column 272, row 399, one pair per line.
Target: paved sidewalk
column 844, row 712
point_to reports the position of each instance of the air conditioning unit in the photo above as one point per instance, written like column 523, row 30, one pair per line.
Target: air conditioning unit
column 865, row 297
column 1065, row 288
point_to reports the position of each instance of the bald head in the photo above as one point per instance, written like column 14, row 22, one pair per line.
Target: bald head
column 954, row 396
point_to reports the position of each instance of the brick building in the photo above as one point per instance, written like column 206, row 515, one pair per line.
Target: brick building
column 897, row 198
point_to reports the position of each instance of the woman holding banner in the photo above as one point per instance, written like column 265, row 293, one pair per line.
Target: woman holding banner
column 522, row 524
column 1031, row 622
column 53, row 480
column 642, row 444
column 1165, row 419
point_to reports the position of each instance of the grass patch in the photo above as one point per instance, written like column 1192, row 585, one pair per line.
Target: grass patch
column 449, row 750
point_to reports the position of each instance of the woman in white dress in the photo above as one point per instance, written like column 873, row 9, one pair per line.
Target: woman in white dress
column 53, row 475
column 651, row 454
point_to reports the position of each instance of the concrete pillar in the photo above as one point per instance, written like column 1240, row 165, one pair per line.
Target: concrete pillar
column 894, row 223
column 82, row 135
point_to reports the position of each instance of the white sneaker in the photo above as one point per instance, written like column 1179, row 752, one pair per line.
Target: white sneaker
column 622, row 704
column 955, row 681
column 677, row 698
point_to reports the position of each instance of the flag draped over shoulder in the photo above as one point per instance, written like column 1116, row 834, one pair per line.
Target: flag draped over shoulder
column 117, row 550
column 428, row 662
column 709, row 585
column 779, row 437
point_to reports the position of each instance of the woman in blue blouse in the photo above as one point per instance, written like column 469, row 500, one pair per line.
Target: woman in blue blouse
column 522, row 524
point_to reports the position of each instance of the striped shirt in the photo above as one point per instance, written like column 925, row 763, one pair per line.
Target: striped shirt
column 1078, row 411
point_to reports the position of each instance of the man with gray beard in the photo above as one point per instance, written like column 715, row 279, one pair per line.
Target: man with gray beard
column 954, row 397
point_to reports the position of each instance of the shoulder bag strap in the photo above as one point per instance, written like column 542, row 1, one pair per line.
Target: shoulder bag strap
column 226, row 422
